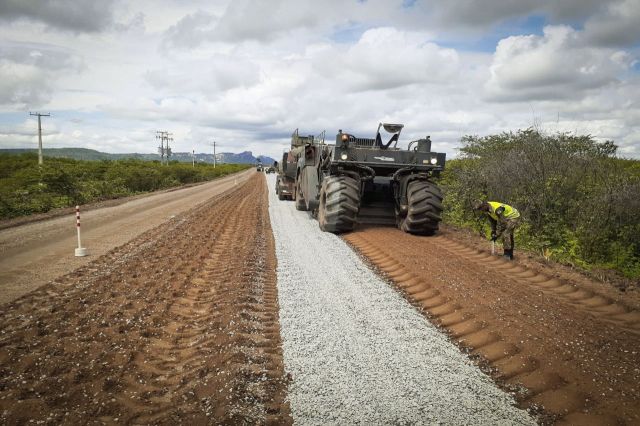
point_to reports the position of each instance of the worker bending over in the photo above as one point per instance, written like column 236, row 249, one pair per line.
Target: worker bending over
column 503, row 219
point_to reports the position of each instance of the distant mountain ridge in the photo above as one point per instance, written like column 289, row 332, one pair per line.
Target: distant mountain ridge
column 245, row 157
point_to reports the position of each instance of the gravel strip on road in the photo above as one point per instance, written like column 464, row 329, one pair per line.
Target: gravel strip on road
column 357, row 352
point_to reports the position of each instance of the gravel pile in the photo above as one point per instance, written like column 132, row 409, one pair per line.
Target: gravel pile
column 358, row 353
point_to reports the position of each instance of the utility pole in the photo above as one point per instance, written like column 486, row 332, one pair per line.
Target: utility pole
column 214, row 154
column 168, row 147
column 40, row 134
column 160, row 136
column 193, row 158
column 164, row 136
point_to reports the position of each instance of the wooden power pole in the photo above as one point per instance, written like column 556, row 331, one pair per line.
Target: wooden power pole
column 40, row 134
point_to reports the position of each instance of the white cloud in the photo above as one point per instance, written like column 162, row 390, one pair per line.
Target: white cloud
column 217, row 73
column 22, row 84
column 28, row 72
column 557, row 65
column 387, row 58
column 191, row 30
column 85, row 16
column 246, row 73
column 619, row 25
column 482, row 14
column 262, row 21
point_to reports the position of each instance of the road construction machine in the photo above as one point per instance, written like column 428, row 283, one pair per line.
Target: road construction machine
column 370, row 181
column 285, row 181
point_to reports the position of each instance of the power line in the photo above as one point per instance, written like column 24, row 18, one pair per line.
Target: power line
column 164, row 136
column 40, row 134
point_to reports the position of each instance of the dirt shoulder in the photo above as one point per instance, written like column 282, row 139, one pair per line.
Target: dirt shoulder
column 55, row 213
column 178, row 325
column 35, row 253
column 621, row 289
column 558, row 341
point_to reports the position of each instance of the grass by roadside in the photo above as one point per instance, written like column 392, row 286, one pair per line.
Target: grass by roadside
column 26, row 188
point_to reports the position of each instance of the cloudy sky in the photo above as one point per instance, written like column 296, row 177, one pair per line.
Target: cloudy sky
column 246, row 73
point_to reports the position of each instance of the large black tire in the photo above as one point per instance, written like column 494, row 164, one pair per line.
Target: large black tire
column 339, row 204
column 424, row 208
column 300, row 203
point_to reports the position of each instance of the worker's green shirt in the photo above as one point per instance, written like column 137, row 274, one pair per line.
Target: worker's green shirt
column 508, row 213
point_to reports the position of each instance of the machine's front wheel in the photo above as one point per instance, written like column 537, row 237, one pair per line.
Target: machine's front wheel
column 424, row 208
column 339, row 204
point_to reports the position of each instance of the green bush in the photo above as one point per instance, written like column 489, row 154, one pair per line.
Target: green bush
column 26, row 188
column 580, row 204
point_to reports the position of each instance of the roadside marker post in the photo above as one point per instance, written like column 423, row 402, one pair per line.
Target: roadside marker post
column 80, row 251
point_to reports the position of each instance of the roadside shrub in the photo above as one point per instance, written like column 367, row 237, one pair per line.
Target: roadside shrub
column 580, row 203
column 27, row 188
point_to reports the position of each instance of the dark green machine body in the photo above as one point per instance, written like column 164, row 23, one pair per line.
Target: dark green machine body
column 393, row 185
column 286, row 169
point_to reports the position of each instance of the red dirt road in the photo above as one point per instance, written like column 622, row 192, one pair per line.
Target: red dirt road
column 33, row 254
column 178, row 325
column 555, row 343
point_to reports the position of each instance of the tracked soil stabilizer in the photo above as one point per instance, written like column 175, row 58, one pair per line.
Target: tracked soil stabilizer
column 369, row 181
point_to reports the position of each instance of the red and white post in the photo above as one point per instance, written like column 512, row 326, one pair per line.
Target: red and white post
column 80, row 251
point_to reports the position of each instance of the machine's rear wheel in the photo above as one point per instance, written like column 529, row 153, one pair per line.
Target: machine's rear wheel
column 424, row 208
column 339, row 204
column 278, row 187
column 300, row 203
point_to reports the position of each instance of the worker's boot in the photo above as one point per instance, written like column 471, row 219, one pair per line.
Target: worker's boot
column 508, row 254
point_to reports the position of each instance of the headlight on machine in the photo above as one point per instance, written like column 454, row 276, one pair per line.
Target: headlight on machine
column 434, row 160
column 345, row 141
column 344, row 156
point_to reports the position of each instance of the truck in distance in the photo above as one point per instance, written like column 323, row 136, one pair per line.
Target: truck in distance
column 286, row 179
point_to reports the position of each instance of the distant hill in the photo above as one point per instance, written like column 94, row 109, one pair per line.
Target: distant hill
column 245, row 157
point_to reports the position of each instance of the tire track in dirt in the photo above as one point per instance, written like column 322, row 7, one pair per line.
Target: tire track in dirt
column 33, row 254
column 591, row 302
column 573, row 352
column 179, row 325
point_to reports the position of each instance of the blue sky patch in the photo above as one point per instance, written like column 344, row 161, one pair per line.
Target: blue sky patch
column 348, row 34
column 60, row 118
column 12, row 118
column 531, row 25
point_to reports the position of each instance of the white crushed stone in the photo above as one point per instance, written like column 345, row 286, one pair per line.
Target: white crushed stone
column 357, row 351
